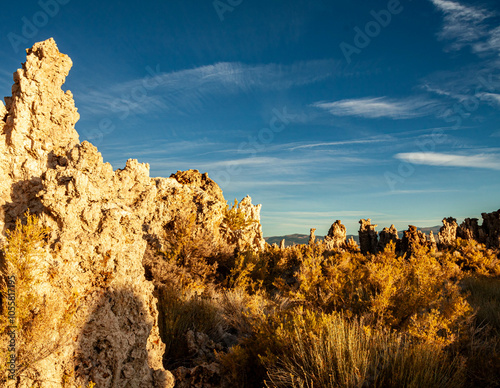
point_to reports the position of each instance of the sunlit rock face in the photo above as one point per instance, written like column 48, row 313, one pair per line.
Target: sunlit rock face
column 36, row 126
column 101, row 221
column 336, row 237
column 448, row 232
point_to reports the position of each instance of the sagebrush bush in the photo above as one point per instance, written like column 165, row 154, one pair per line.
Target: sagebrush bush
column 235, row 218
column 305, row 316
column 42, row 322
column 419, row 294
column 183, row 311
column 473, row 257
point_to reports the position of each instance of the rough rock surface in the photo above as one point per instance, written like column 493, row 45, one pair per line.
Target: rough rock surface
column 312, row 236
column 412, row 240
column 336, row 237
column 101, row 222
column 469, row 229
column 488, row 233
column 352, row 245
column 367, row 236
column 189, row 194
column 207, row 372
column 96, row 218
column 249, row 236
column 38, row 127
column 448, row 232
column 432, row 241
column 491, row 228
column 386, row 236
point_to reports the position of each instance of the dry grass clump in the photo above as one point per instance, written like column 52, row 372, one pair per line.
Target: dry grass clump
column 331, row 351
column 183, row 311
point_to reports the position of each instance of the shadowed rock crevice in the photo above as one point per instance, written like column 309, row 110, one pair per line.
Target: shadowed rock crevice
column 112, row 347
column 368, row 237
column 25, row 195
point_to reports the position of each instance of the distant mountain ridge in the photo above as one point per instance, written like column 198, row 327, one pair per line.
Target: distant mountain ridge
column 297, row 238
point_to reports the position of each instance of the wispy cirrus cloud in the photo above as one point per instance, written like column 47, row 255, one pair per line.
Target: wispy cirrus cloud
column 424, row 191
column 466, row 25
column 381, row 139
column 484, row 160
column 380, row 107
column 330, row 214
column 188, row 90
column 492, row 97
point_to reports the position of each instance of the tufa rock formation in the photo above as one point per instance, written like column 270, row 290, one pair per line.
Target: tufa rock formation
column 312, row 236
column 469, row 229
column 448, row 232
column 96, row 217
column 412, row 241
column 386, row 236
column 336, row 237
column 432, row 241
column 103, row 223
column 491, row 229
column 367, row 237
column 488, row 233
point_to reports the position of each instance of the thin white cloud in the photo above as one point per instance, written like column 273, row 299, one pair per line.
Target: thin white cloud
column 329, row 214
column 438, row 91
column 486, row 161
column 342, row 143
column 380, row 107
column 425, row 191
column 493, row 97
column 246, row 162
column 467, row 85
column 465, row 25
column 189, row 90
column 287, row 165
column 7, row 75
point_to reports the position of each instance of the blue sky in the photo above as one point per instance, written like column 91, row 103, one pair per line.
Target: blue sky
column 320, row 110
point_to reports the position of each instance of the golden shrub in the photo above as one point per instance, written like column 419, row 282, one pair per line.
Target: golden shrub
column 41, row 322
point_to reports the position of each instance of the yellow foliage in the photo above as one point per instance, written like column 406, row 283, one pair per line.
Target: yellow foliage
column 41, row 322
column 235, row 218
column 308, row 317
